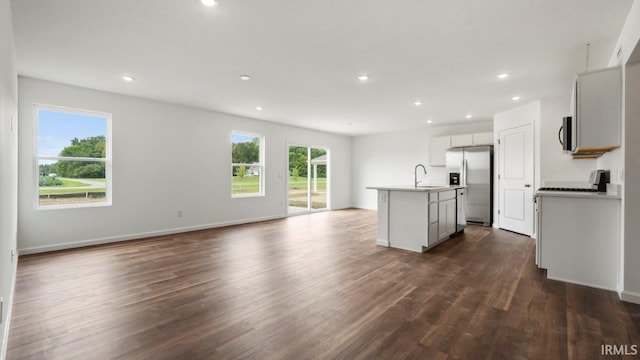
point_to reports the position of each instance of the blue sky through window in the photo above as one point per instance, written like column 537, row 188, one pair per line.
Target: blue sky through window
column 56, row 129
column 239, row 138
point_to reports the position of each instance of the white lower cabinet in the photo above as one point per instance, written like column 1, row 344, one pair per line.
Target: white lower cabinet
column 446, row 218
column 577, row 239
column 433, row 212
column 433, row 220
column 433, row 234
column 451, row 217
column 446, row 214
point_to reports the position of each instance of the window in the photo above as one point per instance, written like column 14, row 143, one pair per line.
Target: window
column 73, row 157
column 247, row 164
column 308, row 179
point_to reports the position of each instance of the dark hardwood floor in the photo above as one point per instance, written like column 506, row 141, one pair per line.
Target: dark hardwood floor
column 312, row 286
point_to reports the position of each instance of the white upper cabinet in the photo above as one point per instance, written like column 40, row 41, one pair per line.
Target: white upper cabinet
column 439, row 147
column 483, row 138
column 598, row 111
column 472, row 139
column 461, row 140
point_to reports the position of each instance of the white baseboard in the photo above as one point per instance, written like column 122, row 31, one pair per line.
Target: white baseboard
column 9, row 307
column 112, row 239
column 630, row 296
column 580, row 283
column 384, row 243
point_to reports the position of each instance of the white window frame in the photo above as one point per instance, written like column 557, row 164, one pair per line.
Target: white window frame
column 107, row 160
column 309, row 209
column 261, row 164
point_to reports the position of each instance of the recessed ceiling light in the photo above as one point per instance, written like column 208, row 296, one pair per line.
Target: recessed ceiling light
column 363, row 77
column 245, row 77
column 429, row 121
column 128, row 78
column 515, row 98
column 259, row 108
column 417, row 103
column 503, row 76
column 208, row 3
column 468, row 116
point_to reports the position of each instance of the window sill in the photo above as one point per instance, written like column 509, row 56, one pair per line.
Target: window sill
column 245, row 196
column 72, row 206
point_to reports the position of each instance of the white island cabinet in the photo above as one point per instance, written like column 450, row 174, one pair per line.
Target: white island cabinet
column 446, row 214
column 415, row 219
column 577, row 238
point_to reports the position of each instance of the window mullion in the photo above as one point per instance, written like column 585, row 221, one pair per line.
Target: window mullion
column 71, row 158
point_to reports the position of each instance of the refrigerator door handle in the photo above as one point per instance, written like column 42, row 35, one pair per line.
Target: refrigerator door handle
column 463, row 173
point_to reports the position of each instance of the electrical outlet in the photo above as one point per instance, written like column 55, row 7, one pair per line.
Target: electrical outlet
column 13, row 254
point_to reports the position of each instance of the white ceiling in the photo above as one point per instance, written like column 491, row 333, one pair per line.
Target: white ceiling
column 304, row 56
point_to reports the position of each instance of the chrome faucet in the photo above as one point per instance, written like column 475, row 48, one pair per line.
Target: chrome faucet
column 415, row 174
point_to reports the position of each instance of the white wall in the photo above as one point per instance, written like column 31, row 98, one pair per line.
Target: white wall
column 165, row 158
column 624, row 163
column 8, row 166
column 631, row 205
column 628, row 38
column 389, row 159
column 614, row 161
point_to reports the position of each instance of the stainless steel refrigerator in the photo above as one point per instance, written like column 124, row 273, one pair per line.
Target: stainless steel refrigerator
column 475, row 166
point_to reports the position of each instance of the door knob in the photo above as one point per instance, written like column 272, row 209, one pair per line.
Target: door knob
column 527, row 185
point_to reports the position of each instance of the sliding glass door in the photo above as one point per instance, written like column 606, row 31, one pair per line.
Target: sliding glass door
column 308, row 180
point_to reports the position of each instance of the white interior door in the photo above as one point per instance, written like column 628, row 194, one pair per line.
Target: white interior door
column 516, row 179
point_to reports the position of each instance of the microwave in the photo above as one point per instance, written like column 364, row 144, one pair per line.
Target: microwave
column 593, row 126
column 565, row 134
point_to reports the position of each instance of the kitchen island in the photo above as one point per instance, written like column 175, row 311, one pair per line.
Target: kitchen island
column 416, row 218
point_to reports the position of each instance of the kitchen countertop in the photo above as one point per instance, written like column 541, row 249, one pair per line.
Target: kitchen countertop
column 429, row 188
column 575, row 194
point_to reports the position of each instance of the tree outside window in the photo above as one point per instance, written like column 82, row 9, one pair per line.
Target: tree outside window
column 73, row 157
column 247, row 164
